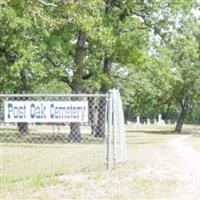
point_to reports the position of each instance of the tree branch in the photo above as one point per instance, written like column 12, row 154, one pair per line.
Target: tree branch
column 65, row 79
column 52, row 62
column 139, row 15
column 47, row 4
column 2, row 50
column 87, row 76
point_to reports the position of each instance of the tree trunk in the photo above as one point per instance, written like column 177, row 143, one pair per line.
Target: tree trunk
column 184, row 109
column 93, row 114
column 105, row 86
column 23, row 126
column 75, row 134
column 100, row 129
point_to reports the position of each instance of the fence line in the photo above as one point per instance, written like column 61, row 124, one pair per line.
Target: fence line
column 52, row 95
column 32, row 121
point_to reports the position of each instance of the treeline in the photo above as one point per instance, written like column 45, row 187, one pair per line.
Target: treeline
column 149, row 50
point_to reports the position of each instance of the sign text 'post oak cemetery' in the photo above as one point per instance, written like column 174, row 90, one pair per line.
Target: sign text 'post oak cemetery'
column 46, row 111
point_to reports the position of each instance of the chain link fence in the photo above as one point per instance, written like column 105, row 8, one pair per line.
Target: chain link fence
column 88, row 132
column 58, row 146
column 57, row 134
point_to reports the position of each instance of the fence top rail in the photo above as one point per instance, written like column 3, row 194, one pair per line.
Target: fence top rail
column 54, row 95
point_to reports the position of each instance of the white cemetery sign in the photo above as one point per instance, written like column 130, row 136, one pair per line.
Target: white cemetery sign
column 46, row 111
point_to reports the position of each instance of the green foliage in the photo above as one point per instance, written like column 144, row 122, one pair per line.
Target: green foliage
column 18, row 47
column 152, row 46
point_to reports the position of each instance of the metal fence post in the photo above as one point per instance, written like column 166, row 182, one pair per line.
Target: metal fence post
column 109, row 131
column 114, row 128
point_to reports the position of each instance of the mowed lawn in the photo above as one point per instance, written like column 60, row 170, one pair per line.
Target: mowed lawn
column 194, row 142
column 68, row 171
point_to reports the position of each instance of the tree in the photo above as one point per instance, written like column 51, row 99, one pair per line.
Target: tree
column 146, row 88
column 75, row 27
column 186, row 58
column 85, row 46
column 19, row 64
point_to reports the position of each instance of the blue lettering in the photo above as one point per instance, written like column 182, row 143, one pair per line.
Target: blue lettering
column 43, row 109
column 37, row 112
column 74, row 112
column 10, row 109
column 32, row 110
column 68, row 112
column 15, row 112
column 56, row 113
column 52, row 111
column 21, row 112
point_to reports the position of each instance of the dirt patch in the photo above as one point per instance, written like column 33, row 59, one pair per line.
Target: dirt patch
column 189, row 176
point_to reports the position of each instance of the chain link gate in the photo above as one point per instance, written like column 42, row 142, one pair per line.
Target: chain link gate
column 74, row 145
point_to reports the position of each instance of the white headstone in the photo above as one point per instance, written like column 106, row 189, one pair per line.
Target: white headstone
column 128, row 122
column 160, row 120
column 148, row 121
column 138, row 121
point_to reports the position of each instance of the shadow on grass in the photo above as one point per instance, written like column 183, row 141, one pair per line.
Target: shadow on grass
column 159, row 132
column 168, row 132
column 9, row 129
column 44, row 138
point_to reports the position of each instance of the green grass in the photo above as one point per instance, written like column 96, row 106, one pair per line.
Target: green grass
column 67, row 171
column 194, row 142
column 21, row 162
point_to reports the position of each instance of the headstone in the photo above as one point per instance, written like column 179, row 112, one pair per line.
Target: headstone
column 160, row 120
column 148, row 121
column 155, row 121
column 128, row 122
column 138, row 121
